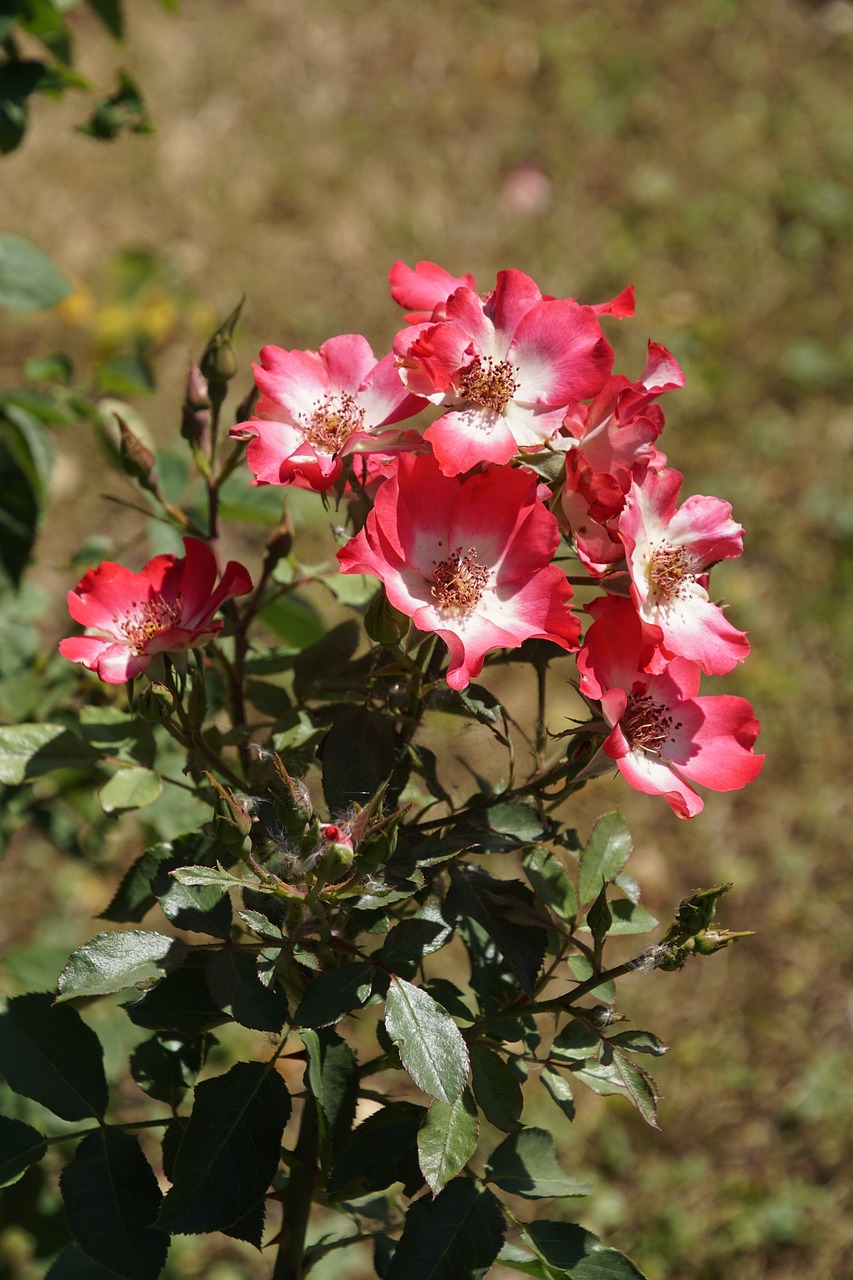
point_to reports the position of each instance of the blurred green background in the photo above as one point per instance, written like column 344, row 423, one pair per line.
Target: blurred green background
column 702, row 151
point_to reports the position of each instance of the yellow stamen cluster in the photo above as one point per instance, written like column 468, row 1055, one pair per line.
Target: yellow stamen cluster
column 146, row 619
column 668, row 568
column 333, row 421
column 459, row 581
column 646, row 723
column 487, row 383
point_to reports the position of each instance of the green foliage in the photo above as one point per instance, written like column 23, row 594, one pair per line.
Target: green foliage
column 22, row 77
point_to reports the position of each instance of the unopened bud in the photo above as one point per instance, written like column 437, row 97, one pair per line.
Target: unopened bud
column 136, row 458
column 383, row 623
column 218, row 363
column 195, row 411
column 336, row 851
column 231, row 822
column 154, row 703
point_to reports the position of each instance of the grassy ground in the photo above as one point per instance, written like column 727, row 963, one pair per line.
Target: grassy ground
column 703, row 151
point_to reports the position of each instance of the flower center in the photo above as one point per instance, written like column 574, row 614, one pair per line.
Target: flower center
column 333, row 421
column 146, row 619
column 488, row 384
column 668, row 568
column 647, row 724
column 459, row 581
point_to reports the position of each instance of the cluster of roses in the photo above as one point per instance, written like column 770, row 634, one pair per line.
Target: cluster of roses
column 462, row 532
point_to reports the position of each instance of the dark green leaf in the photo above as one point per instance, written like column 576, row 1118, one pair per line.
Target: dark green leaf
column 111, row 1200
column 134, row 896
column 550, row 882
column 110, row 13
column 383, row 1150
column 29, row 750
column 19, row 79
column 449, row 995
column 578, row 1253
column 20, row 510
column 48, row 1053
column 456, row 1236
column 357, row 757
column 115, row 961
column 576, row 1041
column 126, row 377
column 114, row 732
column 559, row 1090
column 431, row 1045
column 130, row 788
column 447, row 1140
column 412, row 939
column 630, row 917
column 200, row 908
column 525, row 1164
column 333, row 1080
column 293, row 618
column 230, row 1151
column 515, row 1258
column 124, row 109
column 496, row 1088
column 328, row 656
column 232, row 976
column 625, row 1077
column 181, row 1002
column 499, row 907
column 334, row 994
column 512, row 818
column 164, row 1067
column 28, row 280
column 73, row 1264
column 20, row 1146
column 606, row 853
column 639, row 1042
column 599, row 918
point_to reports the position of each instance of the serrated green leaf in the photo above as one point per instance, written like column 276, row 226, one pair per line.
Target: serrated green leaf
column 113, row 962
column 20, row 1146
column 639, row 1042
column 19, row 79
column 500, row 908
column 578, row 1253
column 512, row 818
column 74, row 1264
column 447, row 1140
column 116, row 733
column 217, row 876
column 134, row 896
column 49, row 1054
column 550, row 882
column 624, row 1077
column 514, row 1258
column 230, row 1149
column 383, row 1150
column 630, row 917
column 559, row 1090
column 166, row 1066
column 412, row 939
column 232, row 976
column 130, row 788
column 28, row 279
column 333, row 1080
column 181, row 1002
column 496, row 1088
column 525, row 1164
column 357, row 756
column 334, row 994
column 430, row 1043
column 456, row 1236
column 30, row 750
column 576, row 1042
column 607, row 851
column 111, row 1200
column 200, row 908
column 110, row 13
